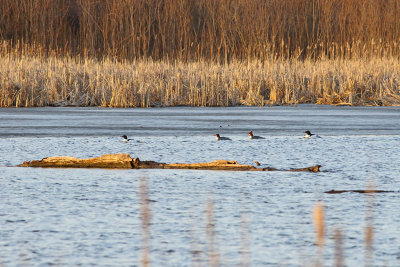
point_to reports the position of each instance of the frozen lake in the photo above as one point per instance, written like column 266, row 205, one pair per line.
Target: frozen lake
column 88, row 217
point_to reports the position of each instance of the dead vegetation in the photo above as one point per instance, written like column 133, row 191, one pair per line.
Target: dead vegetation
column 135, row 53
column 204, row 30
column 29, row 81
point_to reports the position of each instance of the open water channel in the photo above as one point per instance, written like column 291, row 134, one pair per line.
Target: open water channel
column 91, row 217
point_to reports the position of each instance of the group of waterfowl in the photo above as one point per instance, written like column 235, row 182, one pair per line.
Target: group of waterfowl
column 308, row 134
column 251, row 136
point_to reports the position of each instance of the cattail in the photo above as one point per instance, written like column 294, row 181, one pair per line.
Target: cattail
column 318, row 220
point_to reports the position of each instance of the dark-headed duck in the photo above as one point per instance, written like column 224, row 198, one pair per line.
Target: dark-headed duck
column 125, row 139
column 218, row 137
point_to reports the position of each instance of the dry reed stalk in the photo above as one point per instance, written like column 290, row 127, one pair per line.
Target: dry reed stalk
column 319, row 226
column 145, row 216
column 369, row 228
column 61, row 81
column 213, row 260
column 189, row 30
column 338, row 237
column 319, row 223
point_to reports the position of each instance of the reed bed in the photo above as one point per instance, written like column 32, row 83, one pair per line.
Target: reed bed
column 219, row 31
column 135, row 53
column 27, row 80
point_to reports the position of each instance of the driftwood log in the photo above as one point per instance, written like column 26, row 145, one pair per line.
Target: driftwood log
column 124, row 161
column 357, row 191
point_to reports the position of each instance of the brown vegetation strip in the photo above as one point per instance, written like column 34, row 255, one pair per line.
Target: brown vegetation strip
column 124, row 161
column 198, row 53
column 64, row 81
column 204, row 30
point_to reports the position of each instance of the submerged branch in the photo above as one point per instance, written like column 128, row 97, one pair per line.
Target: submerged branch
column 357, row 191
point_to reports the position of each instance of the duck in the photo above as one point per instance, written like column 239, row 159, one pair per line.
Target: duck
column 218, row 137
column 125, row 139
column 308, row 134
column 252, row 136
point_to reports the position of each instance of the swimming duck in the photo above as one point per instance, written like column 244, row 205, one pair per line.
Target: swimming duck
column 309, row 134
column 218, row 137
column 252, row 136
column 125, row 139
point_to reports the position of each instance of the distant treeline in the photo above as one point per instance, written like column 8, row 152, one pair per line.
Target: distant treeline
column 217, row 30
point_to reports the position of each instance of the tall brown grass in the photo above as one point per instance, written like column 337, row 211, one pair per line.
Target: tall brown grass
column 219, row 31
column 136, row 53
column 145, row 217
column 30, row 80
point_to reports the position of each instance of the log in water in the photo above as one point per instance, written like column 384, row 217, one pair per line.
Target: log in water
column 124, row 161
column 368, row 191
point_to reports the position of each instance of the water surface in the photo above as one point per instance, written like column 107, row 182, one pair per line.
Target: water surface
column 88, row 217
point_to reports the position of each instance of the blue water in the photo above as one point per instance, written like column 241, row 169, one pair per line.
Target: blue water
column 92, row 217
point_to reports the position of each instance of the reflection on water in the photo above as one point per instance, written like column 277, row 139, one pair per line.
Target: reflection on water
column 93, row 216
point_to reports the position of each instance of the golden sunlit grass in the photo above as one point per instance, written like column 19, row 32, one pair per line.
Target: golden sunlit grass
column 29, row 81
